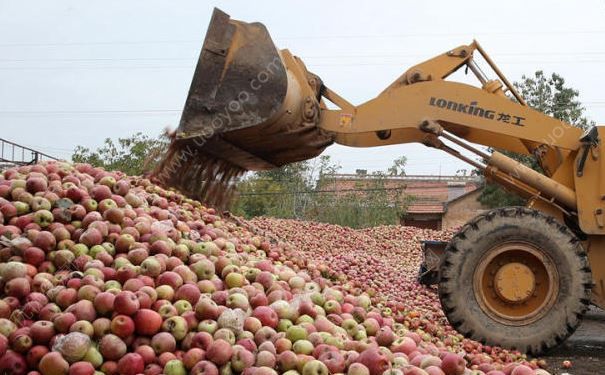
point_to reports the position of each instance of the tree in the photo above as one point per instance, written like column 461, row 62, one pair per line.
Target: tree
column 280, row 192
column 551, row 96
column 398, row 167
column 259, row 197
column 370, row 202
column 133, row 155
column 310, row 190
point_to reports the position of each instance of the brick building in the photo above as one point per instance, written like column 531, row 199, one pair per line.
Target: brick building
column 438, row 202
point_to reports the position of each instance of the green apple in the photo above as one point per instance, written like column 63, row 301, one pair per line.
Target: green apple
column 296, row 333
column 305, row 319
column 112, row 284
column 235, row 280
column 42, row 217
column 283, row 325
column 80, row 249
column 315, row 367
column 175, row 367
column 40, row 203
column 23, row 208
column 177, row 326
column 183, row 306
column 207, row 325
column 151, row 267
column 238, row 301
column 303, row 347
column 96, row 250
column 93, row 357
column 350, row 325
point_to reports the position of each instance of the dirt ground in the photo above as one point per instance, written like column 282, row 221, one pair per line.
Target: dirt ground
column 585, row 348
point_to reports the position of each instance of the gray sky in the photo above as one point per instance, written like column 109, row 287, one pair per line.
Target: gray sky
column 75, row 72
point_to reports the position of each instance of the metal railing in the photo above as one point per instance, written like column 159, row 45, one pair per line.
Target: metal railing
column 14, row 154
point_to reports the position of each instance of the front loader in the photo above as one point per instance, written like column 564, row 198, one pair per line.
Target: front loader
column 519, row 277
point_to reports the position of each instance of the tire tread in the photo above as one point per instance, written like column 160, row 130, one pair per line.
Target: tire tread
column 468, row 325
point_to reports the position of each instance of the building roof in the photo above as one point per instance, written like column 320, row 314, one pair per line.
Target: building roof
column 431, row 193
column 431, row 206
column 437, row 208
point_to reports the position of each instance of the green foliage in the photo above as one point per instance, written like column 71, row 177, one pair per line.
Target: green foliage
column 370, row 203
column 494, row 195
column 307, row 190
column 278, row 193
column 551, row 96
column 133, row 155
column 398, row 167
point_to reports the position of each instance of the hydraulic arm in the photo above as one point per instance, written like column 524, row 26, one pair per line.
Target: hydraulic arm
column 420, row 106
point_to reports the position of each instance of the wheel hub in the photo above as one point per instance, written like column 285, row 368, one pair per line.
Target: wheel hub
column 515, row 282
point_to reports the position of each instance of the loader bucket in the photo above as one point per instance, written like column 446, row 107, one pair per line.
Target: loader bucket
column 250, row 107
column 433, row 253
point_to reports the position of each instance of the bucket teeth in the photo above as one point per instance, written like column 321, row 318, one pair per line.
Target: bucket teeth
column 198, row 175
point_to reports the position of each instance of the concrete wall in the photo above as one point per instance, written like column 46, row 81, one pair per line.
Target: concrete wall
column 462, row 210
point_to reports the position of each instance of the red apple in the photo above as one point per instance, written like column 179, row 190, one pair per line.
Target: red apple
column 219, row 352
column 163, row 342
column 131, row 364
column 126, row 303
column 53, row 364
column 81, row 368
column 266, row 315
column 112, row 347
column 122, row 326
column 147, row 322
column 453, row 364
column 375, row 360
column 42, row 331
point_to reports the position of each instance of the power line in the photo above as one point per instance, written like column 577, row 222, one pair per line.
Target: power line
column 414, row 35
column 295, row 37
column 107, row 67
column 97, row 43
column 568, row 53
column 343, row 64
column 534, row 53
column 500, row 62
column 102, row 59
column 91, row 114
column 50, row 112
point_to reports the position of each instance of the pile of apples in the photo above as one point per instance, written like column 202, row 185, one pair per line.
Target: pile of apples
column 106, row 273
column 383, row 262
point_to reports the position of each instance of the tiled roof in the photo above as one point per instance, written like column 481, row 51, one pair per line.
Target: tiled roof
column 425, row 209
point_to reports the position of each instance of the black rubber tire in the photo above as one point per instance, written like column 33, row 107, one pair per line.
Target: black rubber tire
column 509, row 224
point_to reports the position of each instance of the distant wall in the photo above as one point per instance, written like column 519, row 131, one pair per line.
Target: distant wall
column 462, row 210
column 424, row 223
